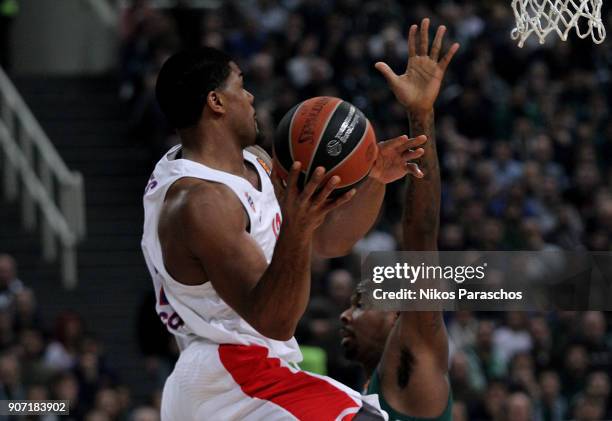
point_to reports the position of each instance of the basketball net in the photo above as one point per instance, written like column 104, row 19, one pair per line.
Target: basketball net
column 541, row 17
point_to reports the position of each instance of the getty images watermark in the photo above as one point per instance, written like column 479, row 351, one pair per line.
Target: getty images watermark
column 412, row 273
column 488, row 281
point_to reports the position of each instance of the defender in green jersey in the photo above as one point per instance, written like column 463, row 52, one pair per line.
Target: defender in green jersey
column 405, row 354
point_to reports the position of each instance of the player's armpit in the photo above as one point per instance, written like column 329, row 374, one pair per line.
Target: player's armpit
column 413, row 370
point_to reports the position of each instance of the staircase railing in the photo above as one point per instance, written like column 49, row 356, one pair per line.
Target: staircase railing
column 52, row 197
column 106, row 11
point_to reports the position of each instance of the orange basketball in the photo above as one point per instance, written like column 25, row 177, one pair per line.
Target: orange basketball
column 326, row 132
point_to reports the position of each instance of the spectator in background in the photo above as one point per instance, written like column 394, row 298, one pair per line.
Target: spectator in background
column 144, row 413
column 91, row 371
column 588, row 409
column 340, row 287
column 27, row 315
column 460, row 412
column 66, row 387
column 491, row 405
column 463, row 384
column 512, row 337
column 598, row 388
column 32, row 349
column 597, row 344
column 11, row 386
column 143, row 30
column 10, row 285
column 97, row 415
column 463, row 329
column 506, row 169
column 62, row 352
column 485, row 361
column 7, row 333
column 542, row 351
column 522, row 374
column 8, row 12
column 518, row 407
column 107, row 401
column 575, row 371
column 551, row 406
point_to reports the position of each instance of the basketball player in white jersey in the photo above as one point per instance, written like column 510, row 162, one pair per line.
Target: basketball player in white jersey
column 231, row 265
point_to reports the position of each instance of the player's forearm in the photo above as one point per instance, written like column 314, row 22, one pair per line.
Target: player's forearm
column 420, row 228
column 421, row 219
column 348, row 224
column 279, row 299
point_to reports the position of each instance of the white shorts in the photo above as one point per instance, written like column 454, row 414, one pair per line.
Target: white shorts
column 239, row 382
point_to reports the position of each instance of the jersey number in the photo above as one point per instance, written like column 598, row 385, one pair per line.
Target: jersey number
column 173, row 321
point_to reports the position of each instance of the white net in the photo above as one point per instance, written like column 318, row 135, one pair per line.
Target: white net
column 542, row 17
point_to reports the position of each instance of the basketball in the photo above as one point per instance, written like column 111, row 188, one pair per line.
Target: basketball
column 326, row 132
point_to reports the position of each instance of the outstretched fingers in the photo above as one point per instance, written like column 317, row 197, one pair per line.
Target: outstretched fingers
column 424, row 38
column 437, row 43
column 386, row 71
column 412, row 33
column 449, row 56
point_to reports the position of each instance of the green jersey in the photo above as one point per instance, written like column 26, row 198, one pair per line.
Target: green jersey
column 9, row 8
column 374, row 387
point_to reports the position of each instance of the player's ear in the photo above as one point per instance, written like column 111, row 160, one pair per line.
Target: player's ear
column 216, row 102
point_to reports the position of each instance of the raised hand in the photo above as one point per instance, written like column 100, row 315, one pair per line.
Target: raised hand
column 418, row 88
column 394, row 156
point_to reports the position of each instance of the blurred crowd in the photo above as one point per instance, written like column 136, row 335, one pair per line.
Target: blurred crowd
column 64, row 361
column 522, row 135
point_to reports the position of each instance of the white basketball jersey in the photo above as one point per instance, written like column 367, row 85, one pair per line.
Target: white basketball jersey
column 192, row 312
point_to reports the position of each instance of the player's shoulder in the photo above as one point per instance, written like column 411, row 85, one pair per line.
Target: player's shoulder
column 263, row 158
column 194, row 199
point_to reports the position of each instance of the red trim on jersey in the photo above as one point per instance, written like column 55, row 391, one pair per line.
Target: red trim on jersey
column 162, row 297
column 305, row 397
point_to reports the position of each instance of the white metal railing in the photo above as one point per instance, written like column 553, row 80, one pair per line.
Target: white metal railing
column 106, row 11
column 34, row 172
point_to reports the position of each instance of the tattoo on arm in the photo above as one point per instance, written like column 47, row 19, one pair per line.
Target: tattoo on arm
column 404, row 370
column 426, row 126
column 422, row 209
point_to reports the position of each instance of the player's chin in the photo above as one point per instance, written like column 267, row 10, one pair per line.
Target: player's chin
column 260, row 138
column 349, row 347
